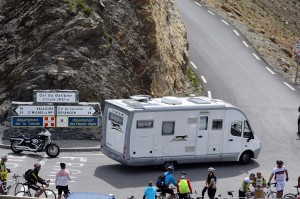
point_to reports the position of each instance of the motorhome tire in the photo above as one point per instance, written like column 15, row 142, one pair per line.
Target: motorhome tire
column 167, row 164
column 13, row 147
column 245, row 158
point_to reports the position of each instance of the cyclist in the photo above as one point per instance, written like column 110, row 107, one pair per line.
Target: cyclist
column 170, row 182
column 279, row 172
column 62, row 180
column 150, row 191
column 211, row 183
column 246, row 185
column 259, row 184
column 33, row 179
column 184, row 187
column 3, row 173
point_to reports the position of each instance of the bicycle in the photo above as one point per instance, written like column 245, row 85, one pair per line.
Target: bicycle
column 48, row 193
column 270, row 193
column 16, row 184
column 249, row 194
column 161, row 194
column 292, row 195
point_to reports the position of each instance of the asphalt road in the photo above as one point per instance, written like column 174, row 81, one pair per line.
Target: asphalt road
column 231, row 70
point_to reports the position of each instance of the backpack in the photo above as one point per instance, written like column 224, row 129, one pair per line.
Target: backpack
column 27, row 174
column 160, row 182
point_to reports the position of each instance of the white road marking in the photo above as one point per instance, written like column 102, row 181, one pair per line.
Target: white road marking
column 197, row 3
column 236, row 32
column 211, row 12
column 193, row 65
column 203, row 79
column 245, row 44
column 289, row 86
column 270, row 70
column 209, row 94
column 224, row 22
column 255, row 56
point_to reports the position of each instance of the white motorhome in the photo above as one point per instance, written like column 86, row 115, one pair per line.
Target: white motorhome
column 163, row 131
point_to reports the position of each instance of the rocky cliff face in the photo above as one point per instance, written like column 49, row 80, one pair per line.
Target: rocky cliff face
column 112, row 48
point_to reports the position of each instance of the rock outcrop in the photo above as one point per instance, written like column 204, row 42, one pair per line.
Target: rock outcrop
column 112, row 48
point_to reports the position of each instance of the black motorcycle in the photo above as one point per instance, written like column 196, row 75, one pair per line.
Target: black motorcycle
column 38, row 143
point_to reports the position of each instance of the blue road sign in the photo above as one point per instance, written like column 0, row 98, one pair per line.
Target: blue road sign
column 83, row 121
column 27, row 121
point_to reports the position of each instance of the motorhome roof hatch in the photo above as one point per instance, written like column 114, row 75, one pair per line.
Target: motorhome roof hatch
column 171, row 100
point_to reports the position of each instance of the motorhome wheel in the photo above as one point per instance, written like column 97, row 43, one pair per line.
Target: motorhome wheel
column 245, row 158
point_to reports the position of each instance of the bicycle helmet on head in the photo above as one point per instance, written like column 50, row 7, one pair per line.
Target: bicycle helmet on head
column 210, row 169
column 37, row 166
column 4, row 157
column 170, row 168
column 279, row 162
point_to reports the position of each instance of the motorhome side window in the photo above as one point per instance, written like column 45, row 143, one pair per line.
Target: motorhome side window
column 203, row 123
column 115, row 118
column 247, row 130
column 236, row 129
column 144, row 124
column 168, row 128
column 217, row 124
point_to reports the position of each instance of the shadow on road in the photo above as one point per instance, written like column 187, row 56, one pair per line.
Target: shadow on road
column 121, row 176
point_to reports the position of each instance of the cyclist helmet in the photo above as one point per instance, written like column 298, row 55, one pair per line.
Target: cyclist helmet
column 183, row 174
column 37, row 166
column 210, row 169
column 4, row 158
column 170, row 168
column 279, row 162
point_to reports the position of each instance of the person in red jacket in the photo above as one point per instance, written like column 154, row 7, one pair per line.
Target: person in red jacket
column 184, row 187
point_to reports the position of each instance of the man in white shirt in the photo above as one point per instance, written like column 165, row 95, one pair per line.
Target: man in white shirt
column 279, row 172
column 62, row 180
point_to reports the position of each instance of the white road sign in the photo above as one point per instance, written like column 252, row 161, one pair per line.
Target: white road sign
column 35, row 110
column 56, row 97
column 76, row 110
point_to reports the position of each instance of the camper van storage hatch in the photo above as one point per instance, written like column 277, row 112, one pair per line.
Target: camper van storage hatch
column 196, row 100
column 171, row 100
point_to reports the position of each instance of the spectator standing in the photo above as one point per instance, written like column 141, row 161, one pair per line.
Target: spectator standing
column 62, row 180
column 279, row 172
column 150, row 191
column 184, row 186
column 246, row 185
column 259, row 184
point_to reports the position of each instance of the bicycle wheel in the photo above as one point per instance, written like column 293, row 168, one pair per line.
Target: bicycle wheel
column 271, row 195
column 49, row 194
column 290, row 195
column 22, row 193
column 19, row 187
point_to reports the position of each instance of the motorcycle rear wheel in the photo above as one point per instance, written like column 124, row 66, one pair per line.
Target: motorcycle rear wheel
column 13, row 147
column 52, row 150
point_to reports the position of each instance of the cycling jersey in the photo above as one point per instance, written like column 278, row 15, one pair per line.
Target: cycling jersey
column 3, row 172
column 246, row 181
column 259, row 182
column 34, row 177
column 279, row 173
column 169, row 179
column 184, row 186
column 62, row 178
column 212, row 178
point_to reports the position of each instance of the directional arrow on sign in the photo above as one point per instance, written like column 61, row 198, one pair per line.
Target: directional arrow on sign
column 29, row 110
column 76, row 110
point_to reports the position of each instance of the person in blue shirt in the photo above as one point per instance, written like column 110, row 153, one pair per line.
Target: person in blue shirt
column 150, row 191
column 170, row 182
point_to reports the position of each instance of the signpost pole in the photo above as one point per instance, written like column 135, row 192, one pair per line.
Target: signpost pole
column 297, row 70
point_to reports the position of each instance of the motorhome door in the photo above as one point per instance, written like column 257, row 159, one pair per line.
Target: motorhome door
column 202, row 136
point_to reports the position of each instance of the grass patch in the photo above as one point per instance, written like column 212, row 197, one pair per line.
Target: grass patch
column 192, row 77
column 77, row 6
